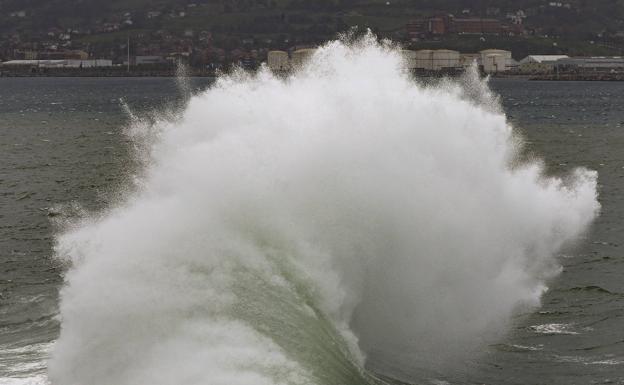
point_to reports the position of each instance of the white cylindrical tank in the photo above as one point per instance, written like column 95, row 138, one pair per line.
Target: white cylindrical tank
column 468, row 59
column 409, row 58
column 496, row 51
column 423, row 59
column 300, row 56
column 493, row 63
column 501, row 64
column 445, row 58
column 278, row 60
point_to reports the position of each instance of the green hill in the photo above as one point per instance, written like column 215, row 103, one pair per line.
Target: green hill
column 575, row 26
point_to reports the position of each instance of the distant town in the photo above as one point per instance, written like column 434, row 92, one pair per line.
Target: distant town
column 209, row 36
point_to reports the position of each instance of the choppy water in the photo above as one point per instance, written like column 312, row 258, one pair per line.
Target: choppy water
column 62, row 144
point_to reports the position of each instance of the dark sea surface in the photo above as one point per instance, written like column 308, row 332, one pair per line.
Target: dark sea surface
column 62, row 149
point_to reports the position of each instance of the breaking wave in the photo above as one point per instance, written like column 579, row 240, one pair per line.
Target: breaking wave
column 299, row 229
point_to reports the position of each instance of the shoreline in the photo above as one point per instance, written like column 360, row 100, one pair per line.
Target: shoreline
column 172, row 73
column 103, row 74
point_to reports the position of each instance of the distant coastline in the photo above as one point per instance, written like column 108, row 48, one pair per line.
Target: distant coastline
column 123, row 73
column 104, row 73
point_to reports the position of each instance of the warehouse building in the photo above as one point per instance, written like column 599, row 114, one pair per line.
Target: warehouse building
column 539, row 64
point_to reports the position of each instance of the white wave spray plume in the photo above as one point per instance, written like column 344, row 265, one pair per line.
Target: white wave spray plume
column 284, row 229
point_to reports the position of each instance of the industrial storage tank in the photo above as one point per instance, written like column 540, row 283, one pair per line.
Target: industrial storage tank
column 300, row 56
column 503, row 52
column 492, row 62
column 278, row 60
column 424, row 59
column 409, row 58
column 445, row 59
column 466, row 60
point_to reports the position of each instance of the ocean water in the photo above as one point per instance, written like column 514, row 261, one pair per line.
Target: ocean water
column 344, row 226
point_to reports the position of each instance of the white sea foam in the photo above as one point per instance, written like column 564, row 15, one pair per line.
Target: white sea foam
column 554, row 328
column 283, row 228
column 40, row 379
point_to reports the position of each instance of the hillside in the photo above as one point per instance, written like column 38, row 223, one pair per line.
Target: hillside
column 575, row 26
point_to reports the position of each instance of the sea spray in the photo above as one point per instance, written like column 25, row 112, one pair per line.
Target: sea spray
column 284, row 229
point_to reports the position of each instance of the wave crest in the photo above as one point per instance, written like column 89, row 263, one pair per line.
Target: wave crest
column 284, row 229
